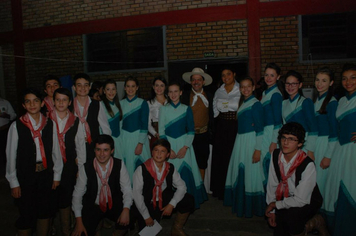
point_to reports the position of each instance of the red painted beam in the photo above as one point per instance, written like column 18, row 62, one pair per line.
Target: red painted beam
column 140, row 21
column 254, row 47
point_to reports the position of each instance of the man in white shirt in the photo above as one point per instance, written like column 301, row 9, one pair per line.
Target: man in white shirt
column 293, row 196
column 103, row 190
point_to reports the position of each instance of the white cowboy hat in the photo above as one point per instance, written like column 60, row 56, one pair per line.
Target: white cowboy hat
column 197, row 71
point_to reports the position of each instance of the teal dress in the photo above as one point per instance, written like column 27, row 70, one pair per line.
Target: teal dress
column 340, row 191
column 133, row 130
column 244, row 181
column 114, row 123
column 327, row 137
column 176, row 124
column 272, row 121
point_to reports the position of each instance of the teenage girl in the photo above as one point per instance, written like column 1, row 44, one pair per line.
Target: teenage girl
column 272, row 99
column 133, row 133
column 297, row 108
column 113, row 113
column 325, row 106
column 244, row 182
column 176, row 124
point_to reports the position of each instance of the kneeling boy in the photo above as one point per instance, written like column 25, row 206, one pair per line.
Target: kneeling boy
column 292, row 193
column 153, row 193
column 103, row 190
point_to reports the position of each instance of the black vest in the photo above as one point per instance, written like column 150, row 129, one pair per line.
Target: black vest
column 92, row 184
column 26, row 152
column 316, row 197
column 149, row 183
column 92, row 119
column 69, row 141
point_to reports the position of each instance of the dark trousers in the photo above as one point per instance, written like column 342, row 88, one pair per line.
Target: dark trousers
column 201, row 149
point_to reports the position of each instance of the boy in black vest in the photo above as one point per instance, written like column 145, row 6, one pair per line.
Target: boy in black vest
column 103, row 190
column 34, row 165
column 293, row 196
column 153, row 193
column 91, row 115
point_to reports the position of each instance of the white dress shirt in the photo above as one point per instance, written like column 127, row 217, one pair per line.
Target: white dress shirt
column 225, row 102
column 138, row 187
column 298, row 196
column 11, row 153
column 81, row 188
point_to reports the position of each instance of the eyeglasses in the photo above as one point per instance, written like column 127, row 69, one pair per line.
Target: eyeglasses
column 293, row 85
column 290, row 139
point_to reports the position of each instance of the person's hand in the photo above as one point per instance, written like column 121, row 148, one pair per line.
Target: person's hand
column 167, row 210
column 272, row 147
column 157, row 135
column 79, row 228
column 325, row 163
column 181, row 153
column 138, row 149
column 272, row 219
column 311, row 155
column 353, row 138
column 256, row 156
column 269, row 208
column 124, row 218
column 173, row 155
column 55, row 184
column 16, row 192
column 149, row 222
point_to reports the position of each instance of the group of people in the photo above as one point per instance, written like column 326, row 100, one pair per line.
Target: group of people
column 100, row 157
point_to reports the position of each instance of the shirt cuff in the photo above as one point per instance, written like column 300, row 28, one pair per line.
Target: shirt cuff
column 173, row 203
column 56, row 177
column 279, row 205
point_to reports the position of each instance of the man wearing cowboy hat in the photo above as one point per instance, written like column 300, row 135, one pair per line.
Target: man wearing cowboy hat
column 201, row 103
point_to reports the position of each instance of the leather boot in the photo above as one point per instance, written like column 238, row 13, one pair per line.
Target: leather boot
column 42, row 227
column 24, row 232
column 119, row 232
column 318, row 223
column 65, row 221
column 177, row 229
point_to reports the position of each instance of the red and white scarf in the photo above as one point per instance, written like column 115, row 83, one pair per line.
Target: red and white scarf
column 25, row 119
column 69, row 124
column 283, row 184
column 49, row 104
column 150, row 166
column 104, row 183
column 82, row 118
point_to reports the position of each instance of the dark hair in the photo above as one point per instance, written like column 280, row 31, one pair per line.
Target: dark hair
column 292, row 128
column 81, row 76
column 131, row 78
column 66, row 92
column 107, row 102
column 33, row 91
column 97, row 85
column 104, row 138
column 279, row 82
column 153, row 94
column 273, row 66
column 162, row 142
column 242, row 98
column 330, row 73
column 51, row 77
column 92, row 92
column 172, row 83
column 348, row 66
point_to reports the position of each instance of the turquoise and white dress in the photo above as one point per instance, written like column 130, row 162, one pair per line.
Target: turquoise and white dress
column 114, row 123
column 133, row 131
column 244, row 181
column 176, row 124
column 327, row 137
column 301, row 110
column 340, row 188
column 272, row 121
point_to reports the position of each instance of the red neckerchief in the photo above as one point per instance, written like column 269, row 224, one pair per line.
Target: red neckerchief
column 283, row 184
column 150, row 166
column 49, row 104
column 82, row 118
column 104, row 183
column 69, row 124
column 25, row 119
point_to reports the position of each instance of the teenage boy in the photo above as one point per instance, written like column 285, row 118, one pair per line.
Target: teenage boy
column 153, row 183
column 50, row 84
column 91, row 115
column 71, row 142
column 34, row 165
column 293, row 196
column 103, row 190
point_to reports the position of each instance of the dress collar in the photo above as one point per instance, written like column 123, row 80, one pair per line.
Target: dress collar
column 295, row 97
column 175, row 106
column 133, row 99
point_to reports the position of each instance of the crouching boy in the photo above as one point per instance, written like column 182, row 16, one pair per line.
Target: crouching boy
column 293, row 196
column 153, row 190
column 103, row 190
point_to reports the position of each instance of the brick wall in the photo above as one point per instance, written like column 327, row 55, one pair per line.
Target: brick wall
column 5, row 16
column 279, row 44
column 54, row 12
column 9, row 73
